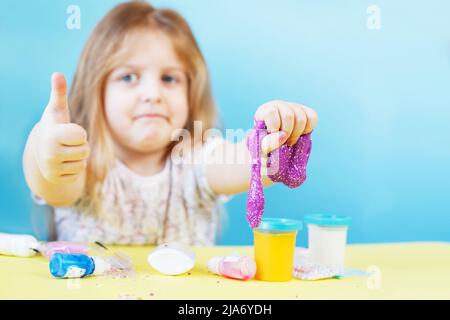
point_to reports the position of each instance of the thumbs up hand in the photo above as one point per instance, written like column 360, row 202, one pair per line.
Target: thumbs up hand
column 61, row 148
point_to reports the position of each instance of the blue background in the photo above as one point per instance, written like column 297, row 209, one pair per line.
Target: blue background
column 381, row 151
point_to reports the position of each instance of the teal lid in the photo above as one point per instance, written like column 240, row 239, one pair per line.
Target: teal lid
column 280, row 224
column 327, row 220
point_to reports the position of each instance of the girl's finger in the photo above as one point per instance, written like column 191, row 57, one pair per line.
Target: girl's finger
column 72, row 167
column 272, row 141
column 299, row 124
column 269, row 114
column 312, row 119
column 287, row 118
column 74, row 153
column 68, row 178
column 264, row 168
column 70, row 134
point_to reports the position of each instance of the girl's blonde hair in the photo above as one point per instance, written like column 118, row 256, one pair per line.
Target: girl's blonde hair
column 102, row 54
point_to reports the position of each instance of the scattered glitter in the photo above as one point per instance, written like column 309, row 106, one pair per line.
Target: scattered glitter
column 311, row 271
column 126, row 296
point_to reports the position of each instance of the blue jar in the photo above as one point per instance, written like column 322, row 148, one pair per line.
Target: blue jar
column 66, row 265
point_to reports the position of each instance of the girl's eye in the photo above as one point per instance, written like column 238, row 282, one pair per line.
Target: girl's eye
column 129, row 78
column 169, row 79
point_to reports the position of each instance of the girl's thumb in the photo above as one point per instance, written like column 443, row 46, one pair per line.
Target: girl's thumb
column 57, row 110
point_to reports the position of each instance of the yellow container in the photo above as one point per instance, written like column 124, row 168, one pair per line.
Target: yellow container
column 274, row 245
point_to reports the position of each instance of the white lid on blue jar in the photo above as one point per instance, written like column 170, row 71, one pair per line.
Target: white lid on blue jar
column 328, row 220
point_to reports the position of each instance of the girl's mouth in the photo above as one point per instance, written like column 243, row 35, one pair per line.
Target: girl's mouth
column 150, row 116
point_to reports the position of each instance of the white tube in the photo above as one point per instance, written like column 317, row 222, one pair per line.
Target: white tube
column 20, row 245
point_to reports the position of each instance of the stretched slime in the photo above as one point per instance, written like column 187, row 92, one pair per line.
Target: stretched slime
column 287, row 164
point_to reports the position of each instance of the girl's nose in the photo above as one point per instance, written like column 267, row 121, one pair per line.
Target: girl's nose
column 151, row 93
column 153, row 99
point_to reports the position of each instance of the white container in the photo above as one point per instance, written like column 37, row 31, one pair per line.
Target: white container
column 327, row 239
column 172, row 259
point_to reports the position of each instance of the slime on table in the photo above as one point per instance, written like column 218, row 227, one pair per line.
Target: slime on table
column 288, row 164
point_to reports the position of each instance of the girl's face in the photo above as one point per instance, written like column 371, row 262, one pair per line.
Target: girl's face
column 146, row 96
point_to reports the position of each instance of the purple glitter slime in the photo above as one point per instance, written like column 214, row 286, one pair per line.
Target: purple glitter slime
column 285, row 164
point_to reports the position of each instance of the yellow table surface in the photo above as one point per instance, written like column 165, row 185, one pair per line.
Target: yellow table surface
column 399, row 271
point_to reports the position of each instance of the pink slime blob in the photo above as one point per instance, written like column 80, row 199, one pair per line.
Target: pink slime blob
column 287, row 164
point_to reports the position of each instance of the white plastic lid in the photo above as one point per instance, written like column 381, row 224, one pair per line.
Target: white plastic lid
column 172, row 259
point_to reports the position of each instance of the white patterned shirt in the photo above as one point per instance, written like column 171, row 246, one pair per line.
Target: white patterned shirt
column 174, row 205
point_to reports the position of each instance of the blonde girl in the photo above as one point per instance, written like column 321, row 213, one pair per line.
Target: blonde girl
column 103, row 156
